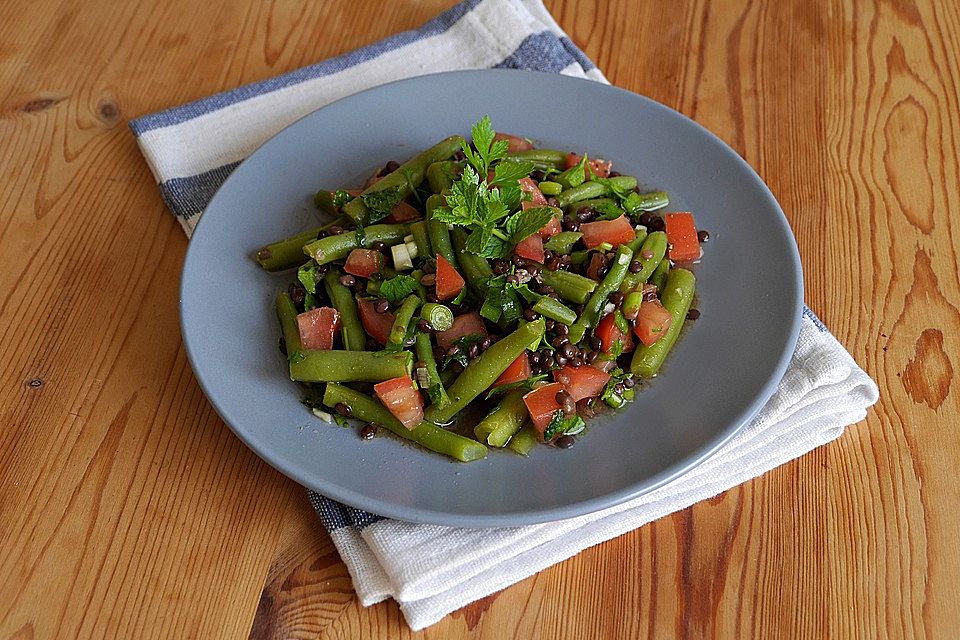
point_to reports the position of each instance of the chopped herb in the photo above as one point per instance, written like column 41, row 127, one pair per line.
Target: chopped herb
column 308, row 276
column 397, row 288
column 381, row 201
column 525, row 223
column 621, row 322
column 526, row 385
column 561, row 425
column 340, row 198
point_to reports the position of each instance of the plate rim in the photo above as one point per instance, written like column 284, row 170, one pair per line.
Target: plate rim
column 611, row 499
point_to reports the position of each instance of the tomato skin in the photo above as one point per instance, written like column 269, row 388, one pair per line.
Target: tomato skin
column 518, row 370
column 551, row 229
column 581, row 382
column 595, row 166
column 465, row 325
column 402, row 400
column 363, row 262
column 377, row 325
column 652, row 322
column 684, row 246
column 449, row 282
column 527, row 185
column 530, row 248
column 402, row 212
column 593, row 268
column 542, row 405
column 516, row 143
column 318, row 327
column 608, row 332
column 617, row 231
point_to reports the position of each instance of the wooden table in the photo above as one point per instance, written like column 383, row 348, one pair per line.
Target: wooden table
column 129, row 510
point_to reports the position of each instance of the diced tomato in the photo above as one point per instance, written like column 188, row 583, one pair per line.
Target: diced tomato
column 652, row 322
column 530, row 248
column 527, row 185
column 542, row 405
column 363, row 262
column 552, row 228
column 516, row 142
column 608, row 332
column 518, row 370
column 466, row 325
column 682, row 240
column 616, row 232
column 377, row 325
column 449, row 282
column 581, row 382
column 593, row 268
column 595, row 166
column 402, row 400
column 318, row 327
column 402, row 212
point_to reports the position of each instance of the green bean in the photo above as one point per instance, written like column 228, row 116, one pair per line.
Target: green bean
column 348, row 366
column 569, row 286
column 287, row 313
column 638, row 240
column 288, row 253
column 343, row 300
column 402, row 320
column 555, row 310
column 631, row 304
column 572, row 208
column 550, row 188
column 425, row 434
column 592, row 311
column 541, row 158
column 339, row 246
column 475, row 270
column 562, row 243
column 441, row 175
column 659, row 275
column 592, row 189
column 654, row 246
column 421, row 238
column 438, row 316
column 505, row 420
column 677, row 297
column 485, row 369
column 439, row 233
column 579, row 257
column 524, row 440
column 637, row 202
column 435, row 390
column 394, row 187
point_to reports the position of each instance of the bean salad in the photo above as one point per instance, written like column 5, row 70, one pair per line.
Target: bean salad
column 531, row 287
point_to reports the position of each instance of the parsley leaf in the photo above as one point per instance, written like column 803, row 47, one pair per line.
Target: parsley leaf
column 576, row 176
column 618, row 191
column 397, row 288
column 487, row 150
column 526, row 385
column 308, row 276
column 381, row 201
column 562, row 425
column 340, row 198
column 608, row 211
column 464, row 343
column 486, row 245
column 309, row 301
column 525, row 223
column 505, row 178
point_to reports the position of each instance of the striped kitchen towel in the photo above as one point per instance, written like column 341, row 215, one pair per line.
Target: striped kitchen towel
column 191, row 149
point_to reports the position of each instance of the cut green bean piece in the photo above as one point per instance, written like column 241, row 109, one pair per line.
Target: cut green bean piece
column 343, row 300
column 485, row 369
column 348, row 366
column 288, row 253
column 678, row 292
column 475, row 269
column 659, row 275
column 402, row 320
column 596, row 203
column 569, row 286
column 555, row 310
column 438, row 316
column 541, row 158
column 550, row 188
column 287, row 313
column 421, row 238
column 592, row 311
column 441, row 175
column 579, row 257
column 636, row 244
column 439, row 233
column 592, row 189
column 524, row 440
column 505, row 420
column 655, row 248
column 376, row 201
column 433, row 384
column 339, row 246
column 563, row 242
column 425, row 434
column 638, row 202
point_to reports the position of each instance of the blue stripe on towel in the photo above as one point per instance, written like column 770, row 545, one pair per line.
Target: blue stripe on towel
column 539, row 52
column 191, row 110
column 332, row 514
column 188, row 197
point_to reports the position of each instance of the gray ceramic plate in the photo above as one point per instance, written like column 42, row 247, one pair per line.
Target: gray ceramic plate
column 723, row 369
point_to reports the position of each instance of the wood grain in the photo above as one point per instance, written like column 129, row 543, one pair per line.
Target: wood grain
column 127, row 509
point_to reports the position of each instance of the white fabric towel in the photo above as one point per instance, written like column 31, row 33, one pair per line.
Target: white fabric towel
column 192, row 148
